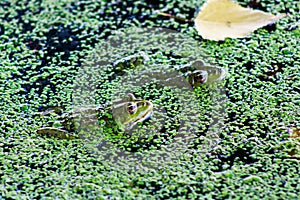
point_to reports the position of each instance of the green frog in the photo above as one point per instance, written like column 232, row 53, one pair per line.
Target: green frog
column 196, row 73
column 123, row 114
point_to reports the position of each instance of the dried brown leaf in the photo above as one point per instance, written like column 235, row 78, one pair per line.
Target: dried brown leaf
column 219, row 19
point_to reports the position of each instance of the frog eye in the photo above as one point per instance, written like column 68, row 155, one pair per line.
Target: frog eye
column 131, row 108
column 200, row 78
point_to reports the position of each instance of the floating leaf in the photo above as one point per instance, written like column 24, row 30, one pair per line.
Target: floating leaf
column 219, row 19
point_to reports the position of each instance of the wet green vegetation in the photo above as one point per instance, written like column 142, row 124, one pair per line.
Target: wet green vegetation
column 234, row 142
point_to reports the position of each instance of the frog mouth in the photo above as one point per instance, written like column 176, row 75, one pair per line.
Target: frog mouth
column 146, row 115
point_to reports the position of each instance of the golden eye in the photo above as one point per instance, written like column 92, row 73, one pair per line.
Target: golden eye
column 131, row 108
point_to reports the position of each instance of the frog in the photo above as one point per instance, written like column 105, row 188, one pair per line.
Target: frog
column 123, row 113
column 196, row 73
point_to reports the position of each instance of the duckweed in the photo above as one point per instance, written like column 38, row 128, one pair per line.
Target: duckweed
column 240, row 147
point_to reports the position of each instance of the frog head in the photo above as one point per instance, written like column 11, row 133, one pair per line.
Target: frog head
column 128, row 111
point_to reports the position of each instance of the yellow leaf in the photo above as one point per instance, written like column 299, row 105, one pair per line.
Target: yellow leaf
column 219, row 19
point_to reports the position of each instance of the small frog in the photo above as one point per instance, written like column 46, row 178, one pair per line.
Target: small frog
column 196, row 73
column 124, row 113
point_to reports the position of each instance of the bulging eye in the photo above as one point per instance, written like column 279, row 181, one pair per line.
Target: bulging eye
column 131, row 108
column 199, row 78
